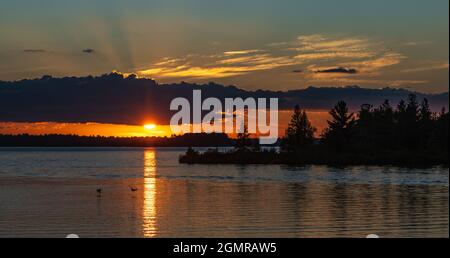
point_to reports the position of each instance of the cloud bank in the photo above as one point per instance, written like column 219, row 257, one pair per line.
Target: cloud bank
column 129, row 100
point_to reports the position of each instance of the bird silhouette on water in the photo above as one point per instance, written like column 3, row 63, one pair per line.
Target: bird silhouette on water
column 133, row 189
column 99, row 192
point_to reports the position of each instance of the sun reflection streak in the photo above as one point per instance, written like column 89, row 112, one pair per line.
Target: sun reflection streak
column 149, row 203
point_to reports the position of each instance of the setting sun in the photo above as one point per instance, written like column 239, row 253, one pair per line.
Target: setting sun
column 150, row 126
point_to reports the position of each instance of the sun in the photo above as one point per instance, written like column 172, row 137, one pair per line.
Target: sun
column 150, row 126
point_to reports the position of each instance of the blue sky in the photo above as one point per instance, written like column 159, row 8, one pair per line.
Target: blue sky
column 254, row 44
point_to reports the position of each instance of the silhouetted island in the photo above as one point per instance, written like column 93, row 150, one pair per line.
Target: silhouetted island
column 408, row 135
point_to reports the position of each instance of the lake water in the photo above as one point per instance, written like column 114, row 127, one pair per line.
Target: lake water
column 52, row 192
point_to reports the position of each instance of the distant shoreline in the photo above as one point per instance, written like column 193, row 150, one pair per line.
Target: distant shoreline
column 54, row 140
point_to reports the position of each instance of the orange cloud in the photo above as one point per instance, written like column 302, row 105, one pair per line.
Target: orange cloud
column 366, row 56
column 427, row 68
column 373, row 65
column 220, row 67
column 241, row 52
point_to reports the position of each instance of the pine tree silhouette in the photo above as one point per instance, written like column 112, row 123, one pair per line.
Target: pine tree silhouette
column 300, row 132
column 243, row 141
column 341, row 129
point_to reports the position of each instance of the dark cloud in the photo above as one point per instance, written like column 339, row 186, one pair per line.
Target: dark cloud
column 114, row 99
column 88, row 51
column 339, row 70
column 34, row 51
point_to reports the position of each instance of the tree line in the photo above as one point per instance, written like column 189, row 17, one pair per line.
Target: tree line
column 409, row 134
column 54, row 140
column 408, row 126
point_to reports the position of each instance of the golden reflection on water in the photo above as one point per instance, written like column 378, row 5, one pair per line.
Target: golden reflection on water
column 149, row 210
column 174, row 200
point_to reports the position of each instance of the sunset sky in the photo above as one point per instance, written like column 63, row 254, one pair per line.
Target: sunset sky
column 317, row 118
column 253, row 44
